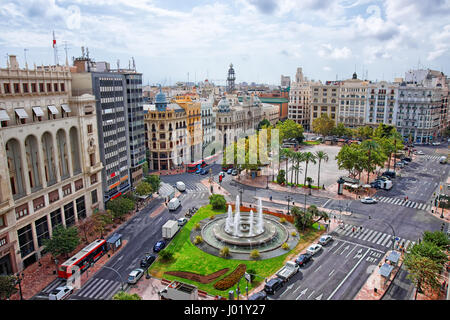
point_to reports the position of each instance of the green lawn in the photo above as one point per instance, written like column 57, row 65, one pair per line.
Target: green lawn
column 187, row 257
column 311, row 143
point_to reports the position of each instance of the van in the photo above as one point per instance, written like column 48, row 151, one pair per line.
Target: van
column 181, row 186
column 443, row 160
column 174, row 204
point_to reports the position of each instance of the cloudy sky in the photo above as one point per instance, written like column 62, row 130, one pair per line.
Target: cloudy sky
column 170, row 39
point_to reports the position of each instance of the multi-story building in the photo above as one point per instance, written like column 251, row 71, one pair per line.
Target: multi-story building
column 324, row 99
column 234, row 118
column 166, row 131
column 419, row 112
column 381, row 104
column 109, row 89
column 270, row 112
column 136, row 130
column 352, row 102
column 208, row 125
column 49, row 160
column 194, row 122
column 285, row 82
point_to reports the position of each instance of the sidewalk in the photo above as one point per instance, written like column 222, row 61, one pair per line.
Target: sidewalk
column 377, row 282
column 217, row 189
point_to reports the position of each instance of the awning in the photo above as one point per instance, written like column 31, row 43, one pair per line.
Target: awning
column 394, row 256
column 21, row 113
column 53, row 109
column 66, row 108
column 38, row 111
column 386, row 270
column 4, row 115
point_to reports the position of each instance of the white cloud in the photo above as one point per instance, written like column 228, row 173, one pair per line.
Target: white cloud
column 329, row 52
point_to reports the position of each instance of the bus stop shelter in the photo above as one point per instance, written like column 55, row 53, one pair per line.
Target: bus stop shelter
column 393, row 258
column 114, row 242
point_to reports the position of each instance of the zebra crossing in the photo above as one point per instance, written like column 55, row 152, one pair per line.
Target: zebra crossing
column 98, row 289
column 165, row 189
column 53, row 285
column 431, row 157
column 405, row 203
column 373, row 236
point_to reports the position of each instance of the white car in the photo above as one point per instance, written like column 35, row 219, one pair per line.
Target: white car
column 420, row 152
column 314, row 248
column 436, row 143
column 325, row 239
column 135, row 275
column 368, row 200
column 60, row 293
column 182, row 221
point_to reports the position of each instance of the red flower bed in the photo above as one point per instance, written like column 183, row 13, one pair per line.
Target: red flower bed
column 276, row 214
column 231, row 279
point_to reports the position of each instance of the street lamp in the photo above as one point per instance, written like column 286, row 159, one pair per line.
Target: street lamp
column 120, row 277
column 392, row 228
column 19, row 278
column 289, row 199
column 241, row 191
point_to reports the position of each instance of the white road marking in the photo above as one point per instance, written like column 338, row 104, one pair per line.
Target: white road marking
column 348, row 275
column 311, row 294
column 301, row 293
column 319, row 297
column 332, row 271
column 350, row 251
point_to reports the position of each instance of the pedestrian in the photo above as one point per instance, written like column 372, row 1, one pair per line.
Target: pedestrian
column 270, row 198
column 353, row 229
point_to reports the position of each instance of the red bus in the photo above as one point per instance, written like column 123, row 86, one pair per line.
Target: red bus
column 192, row 167
column 82, row 259
column 211, row 159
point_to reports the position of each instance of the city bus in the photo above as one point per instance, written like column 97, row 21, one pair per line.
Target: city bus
column 83, row 259
column 192, row 167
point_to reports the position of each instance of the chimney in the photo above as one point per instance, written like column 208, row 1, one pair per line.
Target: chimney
column 13, row 64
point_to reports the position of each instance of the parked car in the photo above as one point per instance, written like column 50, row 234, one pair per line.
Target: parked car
column 147, row 260
column 182, row 221
column 222, row 173
column 406, row 159
column 234, row 172
column 382, row 178
column 325, row 239
column 203, row 172
column 400, row 164
column 390, row 174
column 314, row 248
column 436, row 143
column 135, row 275
column 420, row 152
column 273, row 285
column 229, row 171
column 180, row 186
column 60, row 293
column 376, row 184
column 261, row 295
column 368, row 200
column 443, row 160
column 303, row 259
column 159, row 246
column 198, row 170
column 174, row 204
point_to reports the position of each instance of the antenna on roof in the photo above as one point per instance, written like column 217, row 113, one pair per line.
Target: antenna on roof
column 87, row 52
column 118, row 64
column 25, row 54
column 134, row 63
column 65, row 50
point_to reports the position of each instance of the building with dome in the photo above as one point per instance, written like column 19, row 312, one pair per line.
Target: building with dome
column 236, row 117
column 166, row 134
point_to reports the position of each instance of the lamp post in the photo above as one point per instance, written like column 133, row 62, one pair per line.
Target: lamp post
column 241, row 191
column 120, row 277
column 392, row 228
column 289, row 199
column 19, row 278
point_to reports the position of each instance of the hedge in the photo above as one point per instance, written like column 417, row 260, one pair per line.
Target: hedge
column 231, row 279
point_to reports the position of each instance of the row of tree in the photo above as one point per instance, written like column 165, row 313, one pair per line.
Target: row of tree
column 296, row 158
column 426, row 260
column 372, row 153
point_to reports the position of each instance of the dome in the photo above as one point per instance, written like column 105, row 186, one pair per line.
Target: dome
column 224, row 105
column 160, row 97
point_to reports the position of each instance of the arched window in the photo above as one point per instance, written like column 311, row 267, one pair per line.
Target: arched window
column 15, row 168
column 49, row 161
column 62, row 154
column 75, row 150
column 32, row 155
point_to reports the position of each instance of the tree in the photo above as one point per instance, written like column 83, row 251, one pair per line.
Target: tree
column 281, row 177
column 263, row 123
column 286, row 153
column 439, row 238
column 321, row 156
column 101, row 219
column 423, row 271
column 307, row 158
column 63, row 241
column 144, row 188
column 430, row 250
column 85, row 226
column 302, row 219
column 122, row 295
column 323, row 125
column 120, row 207
column 145, row 168
column 364, row 132
column 290, row 129
column 373, row 156
column 155, row 181
column 217, row 201
column 340, row 130
column 309, row 180
column 7, row 286
column 298, row 157
column 352, row 158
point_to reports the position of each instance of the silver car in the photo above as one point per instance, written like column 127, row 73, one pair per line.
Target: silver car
column 314, row 248
column 135, row 275
column 325, row 239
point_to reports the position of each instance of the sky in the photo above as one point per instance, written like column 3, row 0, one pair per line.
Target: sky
column 181, row 40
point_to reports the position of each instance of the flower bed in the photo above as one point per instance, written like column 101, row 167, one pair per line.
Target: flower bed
column 231, row 279
column 276, row 214
column 198, row 277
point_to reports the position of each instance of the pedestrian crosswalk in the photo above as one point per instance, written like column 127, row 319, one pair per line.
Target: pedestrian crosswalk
column 165, row 189
column 431, row 157
column 53, row 285
column 405, row 203
column 99, row 289
column 372, row 236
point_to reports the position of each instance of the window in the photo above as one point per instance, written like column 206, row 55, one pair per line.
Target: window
column 49, row 87
column 67, row 189
column 69, row 214
column 94, row 178
column 38, row 203
column 25, row 236
column 25, row 87
column 56, row 218
column 33, row 87
column 55, row 87
column 81, row 208
column 53, row 196
column 22, row 211
column 94, row 196
column 63, row 87
column 2, row 222
column 92, row 159
column 16, row 88
column 41, row 87
column 41, row 230
column 89, row 128
column 7, row 88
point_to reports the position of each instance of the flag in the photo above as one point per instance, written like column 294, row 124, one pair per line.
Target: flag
column 54, row 43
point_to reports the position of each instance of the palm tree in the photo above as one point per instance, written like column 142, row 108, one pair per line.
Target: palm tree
column 298, row 158
column 320, row 155
column 285, row 153
column 308, row 157
column 310, row 181
column 292, row 156
column 369, row 145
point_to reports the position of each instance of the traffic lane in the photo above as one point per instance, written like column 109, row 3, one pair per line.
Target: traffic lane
column 325, row 276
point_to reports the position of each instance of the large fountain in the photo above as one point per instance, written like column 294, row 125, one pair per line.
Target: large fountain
column 245, row 231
